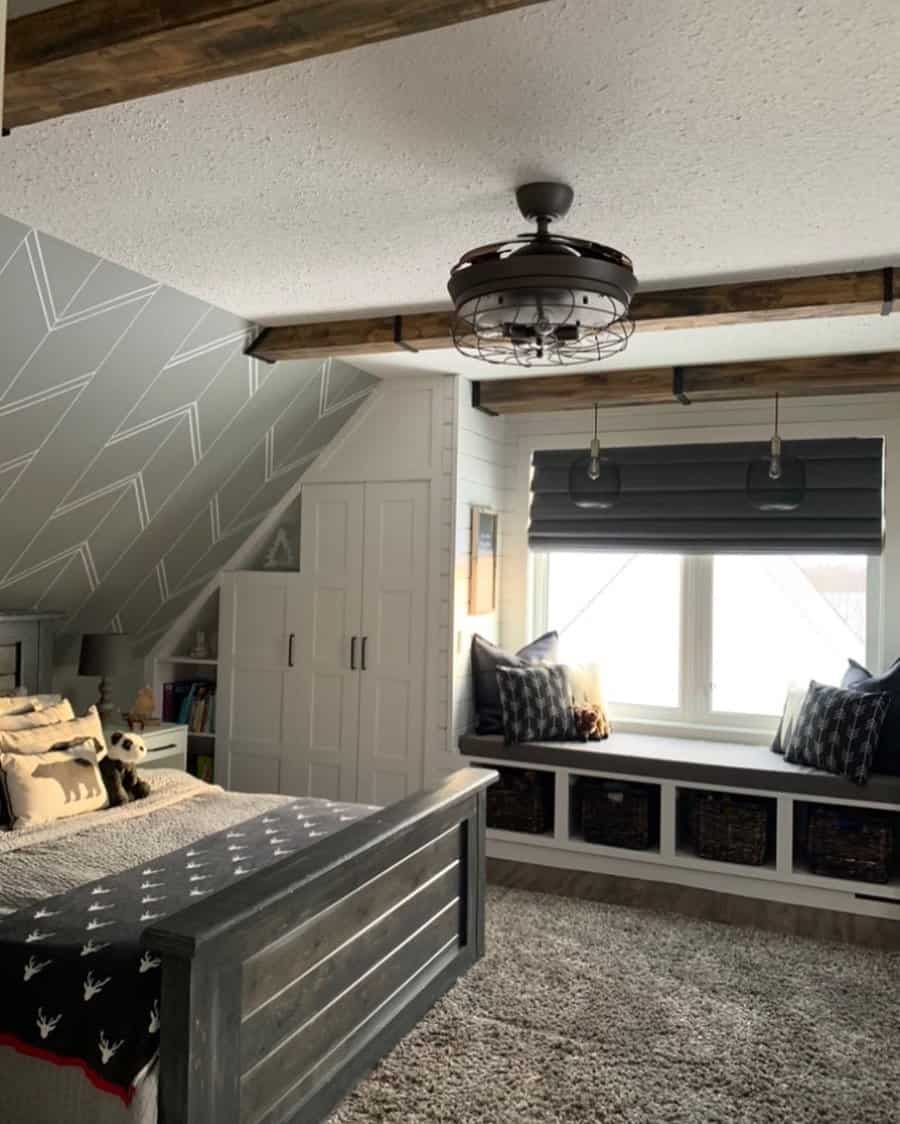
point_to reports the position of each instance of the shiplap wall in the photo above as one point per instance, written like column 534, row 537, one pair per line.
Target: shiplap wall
column 485, row 456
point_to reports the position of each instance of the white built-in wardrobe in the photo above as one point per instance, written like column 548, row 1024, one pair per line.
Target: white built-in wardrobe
column 322, row 672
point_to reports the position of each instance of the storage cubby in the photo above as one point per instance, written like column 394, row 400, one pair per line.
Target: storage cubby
column 725, row 827
column 610, row 812
column 729, row 819
column 522, row 801
column 846, row 842
column 185, row 683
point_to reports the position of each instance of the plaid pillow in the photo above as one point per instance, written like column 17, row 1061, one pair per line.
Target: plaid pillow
column 536, row 703
column 838, row 731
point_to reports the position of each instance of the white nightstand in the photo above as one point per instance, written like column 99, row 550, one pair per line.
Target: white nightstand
column 166, row 744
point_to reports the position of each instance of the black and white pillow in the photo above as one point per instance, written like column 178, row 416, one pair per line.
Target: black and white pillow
column 486, row 658
column 536, row 703
column 859, row 678
column 838, row 731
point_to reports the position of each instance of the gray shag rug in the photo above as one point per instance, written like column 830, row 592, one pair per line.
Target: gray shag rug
column 585, row 1012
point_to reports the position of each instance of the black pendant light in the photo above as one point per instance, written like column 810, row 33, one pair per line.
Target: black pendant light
column 594, row 480
column 542, row 298
column 776, row 482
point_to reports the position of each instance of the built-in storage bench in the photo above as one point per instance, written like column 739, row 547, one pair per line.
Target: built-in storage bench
column 721, row 816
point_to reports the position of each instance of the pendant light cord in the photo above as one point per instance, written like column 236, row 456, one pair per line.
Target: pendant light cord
column 775, row 466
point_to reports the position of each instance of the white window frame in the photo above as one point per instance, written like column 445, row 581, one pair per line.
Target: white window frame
column 694, row 715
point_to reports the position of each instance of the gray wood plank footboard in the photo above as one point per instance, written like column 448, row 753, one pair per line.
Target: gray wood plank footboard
column 282, row 991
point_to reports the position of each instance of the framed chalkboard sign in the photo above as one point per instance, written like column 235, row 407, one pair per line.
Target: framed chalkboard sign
column 483, row 573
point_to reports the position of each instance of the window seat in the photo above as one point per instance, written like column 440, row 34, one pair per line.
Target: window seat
column 685, row 761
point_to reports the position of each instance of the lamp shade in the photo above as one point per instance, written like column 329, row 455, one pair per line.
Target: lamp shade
column 103, row 653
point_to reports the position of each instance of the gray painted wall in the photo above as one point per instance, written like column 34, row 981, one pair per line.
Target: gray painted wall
column 139, row 447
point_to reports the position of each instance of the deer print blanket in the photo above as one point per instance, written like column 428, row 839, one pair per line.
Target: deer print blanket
column 77, row 987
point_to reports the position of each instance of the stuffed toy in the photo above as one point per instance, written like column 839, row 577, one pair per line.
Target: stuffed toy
column 118, row 769
column 591, row 724
column 141, row 709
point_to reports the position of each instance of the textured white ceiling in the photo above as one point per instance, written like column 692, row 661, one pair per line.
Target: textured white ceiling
column 705, row 138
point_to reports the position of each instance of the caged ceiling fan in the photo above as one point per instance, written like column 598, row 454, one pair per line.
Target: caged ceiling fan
column 542, row 298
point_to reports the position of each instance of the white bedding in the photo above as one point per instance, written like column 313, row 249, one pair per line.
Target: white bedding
column 41, row 861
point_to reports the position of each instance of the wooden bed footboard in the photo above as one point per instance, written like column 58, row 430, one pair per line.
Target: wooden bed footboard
column 282, row 991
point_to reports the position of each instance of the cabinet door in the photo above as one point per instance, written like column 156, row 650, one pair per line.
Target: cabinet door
column 392, row 682
column 254, row 644
column 323, row 703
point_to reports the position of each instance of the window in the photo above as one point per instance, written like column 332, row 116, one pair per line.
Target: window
column 781, row 619
column 622, row 611
column 706, row 640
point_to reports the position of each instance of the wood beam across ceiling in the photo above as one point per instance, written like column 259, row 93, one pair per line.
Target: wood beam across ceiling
column 712, row 382
column 865, row 293
column 89, row 53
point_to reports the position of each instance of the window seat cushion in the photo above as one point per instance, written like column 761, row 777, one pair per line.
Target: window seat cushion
column 686, row 761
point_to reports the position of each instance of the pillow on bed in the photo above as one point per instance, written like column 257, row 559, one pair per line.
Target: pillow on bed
column 58, row 736
column 46, row 716
column 42, row 787
column 19, row 704
column 45, row 700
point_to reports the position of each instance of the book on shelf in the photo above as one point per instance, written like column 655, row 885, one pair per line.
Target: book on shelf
column 191, row 703
column 204, row 767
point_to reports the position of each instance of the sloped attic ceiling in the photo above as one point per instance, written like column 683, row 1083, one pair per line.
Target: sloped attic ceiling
column 139, row 447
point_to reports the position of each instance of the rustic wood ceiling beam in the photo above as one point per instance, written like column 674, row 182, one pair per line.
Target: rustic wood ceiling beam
column 368, row 335
column 90, row 53
column 865, row 293
column 711, row 382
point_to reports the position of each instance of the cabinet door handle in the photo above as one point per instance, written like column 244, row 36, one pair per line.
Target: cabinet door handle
column 353, row 653
column 291, row 650
column 365, row 641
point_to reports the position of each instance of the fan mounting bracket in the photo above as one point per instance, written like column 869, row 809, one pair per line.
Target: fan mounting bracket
column 547, row 201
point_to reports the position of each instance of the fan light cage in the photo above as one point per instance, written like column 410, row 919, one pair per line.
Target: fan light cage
column 548, row 327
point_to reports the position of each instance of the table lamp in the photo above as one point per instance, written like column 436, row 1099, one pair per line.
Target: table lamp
column 103, row 654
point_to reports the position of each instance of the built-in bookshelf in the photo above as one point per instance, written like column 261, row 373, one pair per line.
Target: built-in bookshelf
column 185, row 684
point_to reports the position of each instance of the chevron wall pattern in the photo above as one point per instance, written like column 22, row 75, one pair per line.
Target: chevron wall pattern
column 139, row 447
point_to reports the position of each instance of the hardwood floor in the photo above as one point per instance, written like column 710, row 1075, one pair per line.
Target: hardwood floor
column 730, row 909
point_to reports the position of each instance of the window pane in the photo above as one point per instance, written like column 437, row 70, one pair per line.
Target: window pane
column 622, row 611
column 779, row 620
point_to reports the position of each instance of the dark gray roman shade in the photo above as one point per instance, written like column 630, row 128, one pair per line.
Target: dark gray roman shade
column 692, row 499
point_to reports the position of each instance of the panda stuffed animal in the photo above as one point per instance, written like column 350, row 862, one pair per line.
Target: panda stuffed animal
column 118, row 770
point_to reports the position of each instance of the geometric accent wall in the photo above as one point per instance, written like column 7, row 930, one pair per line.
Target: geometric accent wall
column 139, row 446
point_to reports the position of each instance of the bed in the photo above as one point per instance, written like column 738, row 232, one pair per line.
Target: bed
column 277, row 992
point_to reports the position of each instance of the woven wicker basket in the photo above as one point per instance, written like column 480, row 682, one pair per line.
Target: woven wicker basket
column 521, row 800
column 616, row 814
column 845, row 843
column 730, row 829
